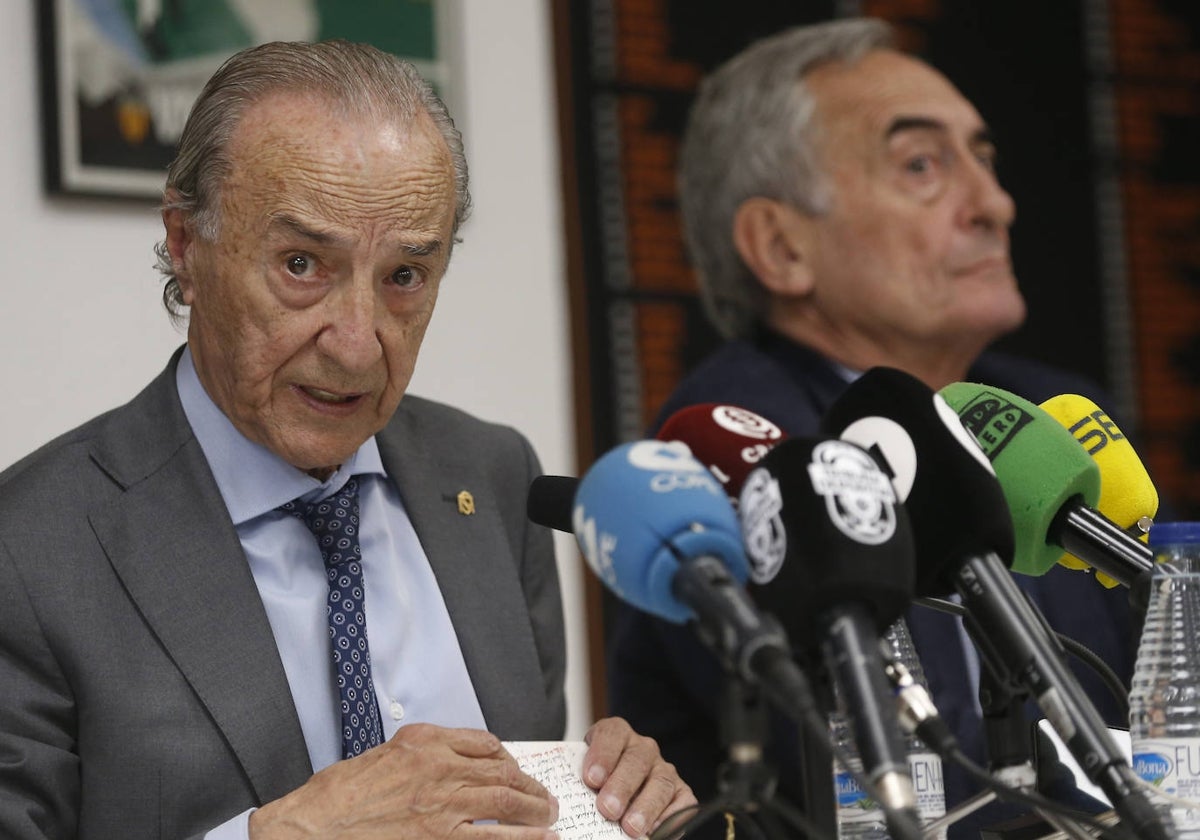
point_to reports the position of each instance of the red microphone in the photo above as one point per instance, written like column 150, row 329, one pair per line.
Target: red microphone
column 729, row 440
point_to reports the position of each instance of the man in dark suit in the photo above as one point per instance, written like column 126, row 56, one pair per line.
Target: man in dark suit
column 842, row 211
column 267, row 598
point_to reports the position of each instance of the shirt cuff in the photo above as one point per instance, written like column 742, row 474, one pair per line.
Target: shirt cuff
column 237, row 828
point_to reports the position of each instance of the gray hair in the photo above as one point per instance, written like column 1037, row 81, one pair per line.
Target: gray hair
column 752, row 132
column 358, row 78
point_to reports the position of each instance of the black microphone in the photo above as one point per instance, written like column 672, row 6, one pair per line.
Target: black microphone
column 831, row 550
column 962, row 529
column 550, row 501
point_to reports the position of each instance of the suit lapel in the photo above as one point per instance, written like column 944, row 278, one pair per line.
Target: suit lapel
column 170, row 540
column 472, row 562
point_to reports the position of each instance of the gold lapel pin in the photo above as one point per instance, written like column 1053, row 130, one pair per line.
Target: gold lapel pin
column 466, row 502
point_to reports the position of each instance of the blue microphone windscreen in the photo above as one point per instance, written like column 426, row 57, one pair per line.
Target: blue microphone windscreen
column 640, row 510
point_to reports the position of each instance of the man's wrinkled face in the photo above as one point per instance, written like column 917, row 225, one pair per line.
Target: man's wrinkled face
column 915, row 247
column 309, row 307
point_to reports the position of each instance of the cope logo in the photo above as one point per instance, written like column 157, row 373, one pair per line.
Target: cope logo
column 745, row 423
column 1152, row 767
column 993, row 421
column 859, row 497
column 673, row 466
column 760, row 508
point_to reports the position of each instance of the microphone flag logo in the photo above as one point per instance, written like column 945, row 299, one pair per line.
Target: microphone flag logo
column 993, row 421
column 859, row 497
column 745, row 423
column 891, row 446
column 765, row 538
column 597, row 547
column 673, row 466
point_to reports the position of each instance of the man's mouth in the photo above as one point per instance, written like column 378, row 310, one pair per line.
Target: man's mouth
column 328, row 396
column 985, row 266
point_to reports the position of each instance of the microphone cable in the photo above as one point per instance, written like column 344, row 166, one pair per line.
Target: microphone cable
column 919, row 716
column 1076, row 648
column 1035, row 800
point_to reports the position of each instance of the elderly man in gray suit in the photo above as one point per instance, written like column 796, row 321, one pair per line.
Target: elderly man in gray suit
column 267, row 598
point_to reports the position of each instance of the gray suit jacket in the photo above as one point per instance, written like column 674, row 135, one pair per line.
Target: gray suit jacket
column 141, row 692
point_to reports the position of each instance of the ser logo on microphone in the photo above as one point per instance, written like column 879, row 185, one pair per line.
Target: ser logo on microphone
column 859, row 497
column 1095, row 437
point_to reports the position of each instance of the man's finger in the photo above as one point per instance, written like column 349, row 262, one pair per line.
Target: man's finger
column 505, row 804
column 607, row 740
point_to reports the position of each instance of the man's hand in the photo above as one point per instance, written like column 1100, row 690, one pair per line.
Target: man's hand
column 426, row 781
column 633, row 783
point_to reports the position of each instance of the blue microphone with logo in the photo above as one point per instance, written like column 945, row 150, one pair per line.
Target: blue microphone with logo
column 646, row 509
column 658, row 529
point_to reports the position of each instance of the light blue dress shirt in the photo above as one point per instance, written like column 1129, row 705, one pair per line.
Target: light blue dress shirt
column 416, row 663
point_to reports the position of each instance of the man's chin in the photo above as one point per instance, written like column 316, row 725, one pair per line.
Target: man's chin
column 991, row 322
column 319, row 462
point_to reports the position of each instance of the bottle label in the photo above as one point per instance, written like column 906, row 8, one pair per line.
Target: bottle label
column 1172, row 765
column 858, row 815
column 926, row 771
column 850, row 794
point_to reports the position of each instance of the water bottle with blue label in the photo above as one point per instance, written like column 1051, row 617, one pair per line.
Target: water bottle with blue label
column 859, row 817
column 1164, row 701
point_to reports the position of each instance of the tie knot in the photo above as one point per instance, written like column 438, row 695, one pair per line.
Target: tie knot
column 334, row 522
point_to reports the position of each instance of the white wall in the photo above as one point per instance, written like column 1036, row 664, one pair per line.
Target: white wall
column 82, row 329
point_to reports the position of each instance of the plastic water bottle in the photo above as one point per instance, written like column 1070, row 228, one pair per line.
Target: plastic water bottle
column 924, row 764
column 858, row 816
column 1164, row 701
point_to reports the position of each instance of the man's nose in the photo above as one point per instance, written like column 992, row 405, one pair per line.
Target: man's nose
column 351, row 336
column 988, row 204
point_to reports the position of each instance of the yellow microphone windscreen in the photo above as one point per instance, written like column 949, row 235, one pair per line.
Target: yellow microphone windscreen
column 1127, row 494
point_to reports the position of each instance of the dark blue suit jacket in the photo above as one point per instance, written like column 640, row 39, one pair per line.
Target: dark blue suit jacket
column 668, row 686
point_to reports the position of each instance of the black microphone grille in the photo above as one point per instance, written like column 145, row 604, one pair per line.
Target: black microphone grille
column 551, row 499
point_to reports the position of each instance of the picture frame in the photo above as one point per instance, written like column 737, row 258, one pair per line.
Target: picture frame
column 118, row 77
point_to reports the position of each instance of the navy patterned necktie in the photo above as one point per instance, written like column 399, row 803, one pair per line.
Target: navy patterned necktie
column 334, row 522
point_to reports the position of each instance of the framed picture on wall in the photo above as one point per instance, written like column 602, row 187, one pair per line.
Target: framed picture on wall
column 119, row 76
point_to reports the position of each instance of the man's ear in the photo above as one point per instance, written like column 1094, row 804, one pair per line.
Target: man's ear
column 179, row 241
column 773, row 240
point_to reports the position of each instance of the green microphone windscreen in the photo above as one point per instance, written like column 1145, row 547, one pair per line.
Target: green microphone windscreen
column 1127, row 494
column 1039, row 464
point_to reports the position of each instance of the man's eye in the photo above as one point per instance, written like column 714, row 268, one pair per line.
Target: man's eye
column 921, row 165
column 406, row 277
column 300, row 265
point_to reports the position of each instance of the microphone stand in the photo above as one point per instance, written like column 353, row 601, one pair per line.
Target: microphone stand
column 1009, row 740
column 746, row 782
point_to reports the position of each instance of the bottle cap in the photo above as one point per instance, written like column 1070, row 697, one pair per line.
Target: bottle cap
column 1174, row 533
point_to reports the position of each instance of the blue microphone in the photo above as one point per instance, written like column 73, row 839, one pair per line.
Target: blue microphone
column 658, row 529
column 642, row 512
